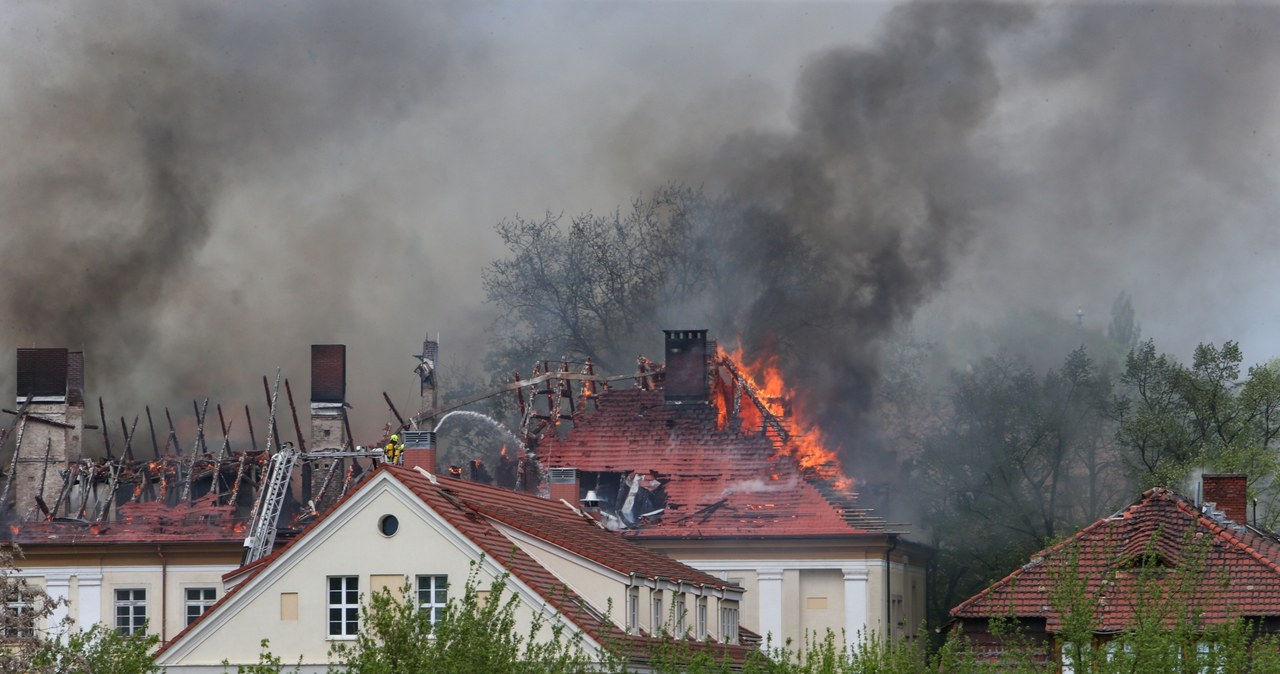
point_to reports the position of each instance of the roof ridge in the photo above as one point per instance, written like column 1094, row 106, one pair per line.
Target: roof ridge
column 1230, row 536
column 1045, row 552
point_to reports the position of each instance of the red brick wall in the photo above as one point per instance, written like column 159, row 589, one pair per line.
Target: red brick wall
column 424, row 458
column 1229, row 494
column 568, row 492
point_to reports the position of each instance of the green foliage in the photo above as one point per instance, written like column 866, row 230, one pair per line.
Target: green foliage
column 1022, row 458
column 1174, row 419
column 267, row 662
column 1024, row 451
column 478, row 633
column 97, row 650
column 59, row 647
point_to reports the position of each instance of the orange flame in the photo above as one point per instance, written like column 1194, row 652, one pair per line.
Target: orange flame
column 13, row 529
column 808, row 445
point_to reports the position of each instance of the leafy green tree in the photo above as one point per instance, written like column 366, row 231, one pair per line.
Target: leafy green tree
column 26, row 607
column 1159, row 446
column 1022, row 458
column 268, row 663
column 1174, row 419
column 96, row 650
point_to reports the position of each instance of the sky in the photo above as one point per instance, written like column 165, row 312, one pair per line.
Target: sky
column 195, row 191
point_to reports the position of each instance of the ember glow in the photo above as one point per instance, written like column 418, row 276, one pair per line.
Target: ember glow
column 807, row 443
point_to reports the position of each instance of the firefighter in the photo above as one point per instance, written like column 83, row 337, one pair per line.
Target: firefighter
column 394, row 449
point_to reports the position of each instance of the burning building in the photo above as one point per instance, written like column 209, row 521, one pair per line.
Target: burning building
column 709, row 459
column 141, row 542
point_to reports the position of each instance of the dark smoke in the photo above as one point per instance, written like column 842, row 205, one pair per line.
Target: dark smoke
column 977, row 160
column 853, row 220
column 137, row 128
column 193, row 192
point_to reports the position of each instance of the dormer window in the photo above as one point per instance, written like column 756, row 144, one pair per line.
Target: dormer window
column 633, row 610
column 729, row 621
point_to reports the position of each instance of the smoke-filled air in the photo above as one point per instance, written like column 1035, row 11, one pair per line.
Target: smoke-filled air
column 194, row 192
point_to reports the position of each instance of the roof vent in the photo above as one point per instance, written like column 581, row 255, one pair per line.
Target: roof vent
column 418, row 439
column 562, row 475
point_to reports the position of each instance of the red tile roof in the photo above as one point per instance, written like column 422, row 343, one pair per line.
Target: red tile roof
column 718, row 482
column 1239, row 576
column 475, row 509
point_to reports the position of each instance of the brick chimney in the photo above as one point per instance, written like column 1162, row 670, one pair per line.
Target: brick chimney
column 1229, row 494
column 564, row 484
column 419, row 449
column 685, row 380
column 328, row 395
column 328, row 420
column 53, row 426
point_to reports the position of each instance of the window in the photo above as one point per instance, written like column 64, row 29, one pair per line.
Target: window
column 1075, row 657
column 131, row 611
column 729, row 622
column 199, row 599
column 677, row 607
column 19, row 619
column 633, row 609
column 433, row 596
column 655, row 598
column 702, row 618
column 344, row 606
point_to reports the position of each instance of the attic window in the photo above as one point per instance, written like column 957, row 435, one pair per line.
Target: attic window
column 1152, row 563
column 388, row 525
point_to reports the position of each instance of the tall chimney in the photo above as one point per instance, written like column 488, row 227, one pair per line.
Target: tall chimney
column 1229, row 494
column 685, row 378
column 328, row 420
column 419, row 449
column 75, row 405
column 43, row 378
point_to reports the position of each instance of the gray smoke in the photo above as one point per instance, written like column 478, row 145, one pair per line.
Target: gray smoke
column 853, row 219
column 976, row 160
column 193, row 192
column 161, row 207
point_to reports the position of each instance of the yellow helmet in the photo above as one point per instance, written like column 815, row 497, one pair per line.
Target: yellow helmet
column 395, row 438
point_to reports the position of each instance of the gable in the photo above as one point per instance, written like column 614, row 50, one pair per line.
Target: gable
column 286, row 600
column 1160, row 544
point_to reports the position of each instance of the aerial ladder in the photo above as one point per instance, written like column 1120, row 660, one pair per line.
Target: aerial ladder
column 265, row 520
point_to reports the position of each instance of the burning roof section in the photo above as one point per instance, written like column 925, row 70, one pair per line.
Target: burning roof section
column 191, row 482
column 1231, row 570
column 735, row 462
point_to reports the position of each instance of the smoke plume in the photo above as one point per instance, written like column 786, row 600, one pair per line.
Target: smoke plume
column 193, row 192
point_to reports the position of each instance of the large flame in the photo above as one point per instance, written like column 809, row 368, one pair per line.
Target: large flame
column 807, row 444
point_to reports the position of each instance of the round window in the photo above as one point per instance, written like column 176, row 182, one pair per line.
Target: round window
column 388, row 525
